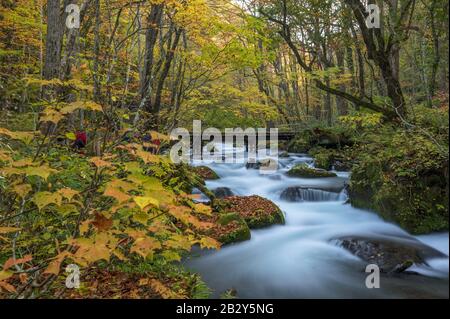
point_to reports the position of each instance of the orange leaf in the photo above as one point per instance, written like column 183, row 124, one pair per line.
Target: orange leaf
column 97, row 161
column 12, row 262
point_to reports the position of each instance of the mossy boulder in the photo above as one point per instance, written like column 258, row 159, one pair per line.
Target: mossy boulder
column 257, row 212
column 205, row 172
column 339, row 159
column 234, row 228
column 304, row 171
column 227, row 227
column 323, row 158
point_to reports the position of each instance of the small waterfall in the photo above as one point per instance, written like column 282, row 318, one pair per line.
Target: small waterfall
column 296, row 194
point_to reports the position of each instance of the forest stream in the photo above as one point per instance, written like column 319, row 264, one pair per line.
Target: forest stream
column 301, row 258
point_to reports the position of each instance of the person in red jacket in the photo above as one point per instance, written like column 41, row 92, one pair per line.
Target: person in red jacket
column 80, row 140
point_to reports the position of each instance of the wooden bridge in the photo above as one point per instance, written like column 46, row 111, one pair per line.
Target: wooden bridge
column 286, row 132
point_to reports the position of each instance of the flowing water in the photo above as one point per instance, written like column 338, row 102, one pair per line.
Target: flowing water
column 299, row 259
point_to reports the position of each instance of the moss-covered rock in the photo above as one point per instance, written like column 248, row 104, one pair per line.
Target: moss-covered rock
column 205, row 172
column 257, row 212
column 227, row 227
column 304, row 171
column 323, row 158
column 236, row 228
column 338, row 159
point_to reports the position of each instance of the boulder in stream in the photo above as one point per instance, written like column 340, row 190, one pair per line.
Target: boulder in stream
column 205, row 172
column 304, row 171
column 391, row 257
column 228, row 228
column 222, row 192
column 257, row 212
column 258, row 164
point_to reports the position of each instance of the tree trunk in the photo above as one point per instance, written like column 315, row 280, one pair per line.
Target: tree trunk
column 53, row 41
column 341, row 104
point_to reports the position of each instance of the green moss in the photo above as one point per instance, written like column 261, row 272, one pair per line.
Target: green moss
column 404, row 178
column 303, row 170
column 242, row 233
column 265, row 220
column 323, row 158
column 299, row 145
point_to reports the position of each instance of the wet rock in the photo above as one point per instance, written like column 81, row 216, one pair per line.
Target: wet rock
column 391, row 257
column 284, row 155
column 303, row 170
column 257, row 165
column 223, row 192
column 296, row 194
column 257, row 212
column 205, row 172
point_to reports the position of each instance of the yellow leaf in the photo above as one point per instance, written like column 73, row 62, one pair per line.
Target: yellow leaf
column 6, row 230
column 147, row 157
column 66, row 209
column 71, row 136
column 25, row 137
column 203, row 209
column 43, row 171
column 94, row 249
column 122, row 185
column 158, row 136
column 51, row 115
column 178, row 241
column 43, row 199
column 8, row 171
column 68, row 193
column 4, row 274
column 22, row 189
column 80, row 105
column 209, row 243
column 23, row 163
column 143, row 202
